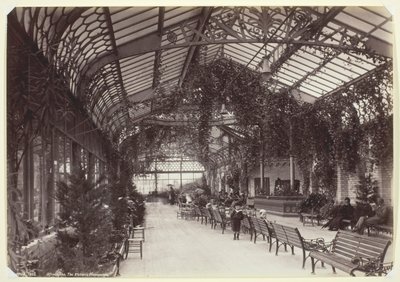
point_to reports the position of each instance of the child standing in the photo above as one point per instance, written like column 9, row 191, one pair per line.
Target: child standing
column 236, row 218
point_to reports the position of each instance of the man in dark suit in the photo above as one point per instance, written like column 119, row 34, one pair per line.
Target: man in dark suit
column 380, row 217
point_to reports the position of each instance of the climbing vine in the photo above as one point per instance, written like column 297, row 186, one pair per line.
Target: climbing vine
column 335, row 129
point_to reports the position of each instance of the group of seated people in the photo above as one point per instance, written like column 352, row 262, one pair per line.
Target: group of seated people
column 228, row 199
column 340, row 216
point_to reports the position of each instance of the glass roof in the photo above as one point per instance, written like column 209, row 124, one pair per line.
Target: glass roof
column 117, row 58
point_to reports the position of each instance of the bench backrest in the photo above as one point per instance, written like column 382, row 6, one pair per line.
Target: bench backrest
column 224, row 213
column 197, row 210
column 263, row 228
column 217, row 215
column 207, row 213
column 288, row 235
column 256, row 226
column 350, row 245
column 270, row 228
column 246, row 222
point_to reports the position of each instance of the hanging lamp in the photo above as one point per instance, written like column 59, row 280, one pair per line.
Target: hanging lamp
column 265, row 69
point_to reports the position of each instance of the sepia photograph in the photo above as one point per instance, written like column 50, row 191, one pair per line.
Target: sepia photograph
column 200, row 141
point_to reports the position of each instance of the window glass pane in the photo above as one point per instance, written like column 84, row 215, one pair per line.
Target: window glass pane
column 96, row 169
column 67, row 155
column 39, row 174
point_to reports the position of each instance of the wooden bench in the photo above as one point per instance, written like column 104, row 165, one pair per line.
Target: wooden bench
column 220, row 218
column 260, row 228
column 289, row 236
column 247, row 226
column 386, row 227
column 208, row 216
column 272, row 235
column 198, row 213
column 352, row 252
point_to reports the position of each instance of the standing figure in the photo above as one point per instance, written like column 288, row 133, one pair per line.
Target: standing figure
column 236, row 218
column 171, row 196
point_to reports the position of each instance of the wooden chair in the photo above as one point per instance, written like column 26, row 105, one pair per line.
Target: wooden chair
column 134, row 245
column 310, row 217
column 138, row 233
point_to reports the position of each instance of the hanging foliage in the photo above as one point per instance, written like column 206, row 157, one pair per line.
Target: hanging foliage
column 255, row 108
column 335, row 129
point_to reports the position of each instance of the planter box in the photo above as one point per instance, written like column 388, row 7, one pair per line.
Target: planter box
column 279, row 205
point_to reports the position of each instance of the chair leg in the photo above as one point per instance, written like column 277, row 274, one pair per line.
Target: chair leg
column 313, row 265
column 141, row 249
column 334, row 269
column 126, row 249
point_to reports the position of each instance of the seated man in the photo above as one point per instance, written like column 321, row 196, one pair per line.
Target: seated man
column 380, row 217
column 344, row 211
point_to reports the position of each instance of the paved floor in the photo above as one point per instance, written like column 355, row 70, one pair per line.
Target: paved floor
column 187, row 249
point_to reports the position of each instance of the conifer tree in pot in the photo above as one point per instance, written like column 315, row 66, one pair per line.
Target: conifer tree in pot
column 85, row 213
column 366, row 193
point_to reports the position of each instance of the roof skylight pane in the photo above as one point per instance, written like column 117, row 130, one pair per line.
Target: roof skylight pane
column 365, row 27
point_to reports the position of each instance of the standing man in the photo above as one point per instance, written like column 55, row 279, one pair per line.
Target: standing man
column 171, row 196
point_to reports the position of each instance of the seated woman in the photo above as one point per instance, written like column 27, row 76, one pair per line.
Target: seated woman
column 263, row 214
column 345, row 211
column 380, row 217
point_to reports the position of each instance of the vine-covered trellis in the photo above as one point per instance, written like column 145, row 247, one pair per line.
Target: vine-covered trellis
column 343, row 128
